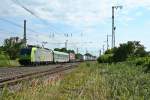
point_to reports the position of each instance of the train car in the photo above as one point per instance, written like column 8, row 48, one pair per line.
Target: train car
column 89, row 58
column 60, row 57
column 35, row 56
column 86, row 57
column 72, row 57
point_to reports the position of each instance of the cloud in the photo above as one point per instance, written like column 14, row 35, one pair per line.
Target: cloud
column 8, row 8
column 137, row 3
column 81, row 13
column 72, row 12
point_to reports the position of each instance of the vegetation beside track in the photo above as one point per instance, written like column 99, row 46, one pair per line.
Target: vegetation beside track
column 95, row 81
column 6, row 62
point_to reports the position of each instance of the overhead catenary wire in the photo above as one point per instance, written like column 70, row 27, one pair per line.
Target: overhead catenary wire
column 17, row 25
column 34, row 14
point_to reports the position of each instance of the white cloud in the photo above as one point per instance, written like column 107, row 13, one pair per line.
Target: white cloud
column 8, row 8
column 136, row 3
column 73, row 12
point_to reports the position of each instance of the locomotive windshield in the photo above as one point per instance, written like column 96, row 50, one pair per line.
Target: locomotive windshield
column 26, row 51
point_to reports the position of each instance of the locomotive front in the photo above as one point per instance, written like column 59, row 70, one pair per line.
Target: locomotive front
column 25, row 56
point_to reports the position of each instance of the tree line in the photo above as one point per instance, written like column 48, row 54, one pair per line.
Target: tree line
column 131, row 49
column 132, row 52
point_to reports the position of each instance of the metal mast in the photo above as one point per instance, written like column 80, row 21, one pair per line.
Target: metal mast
column 25, row 38
column 113, row 24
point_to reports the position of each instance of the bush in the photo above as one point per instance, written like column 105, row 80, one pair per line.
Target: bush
column 143, row 61
column 147, row 67
column 107, row 58
column 129, row 49
column 4, row 60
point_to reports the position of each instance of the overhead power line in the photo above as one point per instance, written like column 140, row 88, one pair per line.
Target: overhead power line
column 5, row 20
column 34, row 14
column 18, row 25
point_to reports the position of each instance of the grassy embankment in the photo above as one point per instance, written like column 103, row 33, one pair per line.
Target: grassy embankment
column 91, row 81
column 5, row 62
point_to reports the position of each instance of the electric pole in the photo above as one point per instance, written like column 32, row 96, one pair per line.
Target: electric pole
column 113, row 24
column 86, row 51
column 112, row 44
column 77, row 50
column 24, row 38
column 103, row 49
column 108, row 41
column 66, row 44
column 100, row 52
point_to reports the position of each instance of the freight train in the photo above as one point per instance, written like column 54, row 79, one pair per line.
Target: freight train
column 37, row 56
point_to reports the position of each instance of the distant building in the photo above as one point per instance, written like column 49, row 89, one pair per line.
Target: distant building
column 13, row 40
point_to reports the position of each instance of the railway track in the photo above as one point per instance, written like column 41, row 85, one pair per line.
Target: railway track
column 9, row 81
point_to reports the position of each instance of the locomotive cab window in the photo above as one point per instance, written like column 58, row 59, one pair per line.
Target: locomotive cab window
column 25, row 51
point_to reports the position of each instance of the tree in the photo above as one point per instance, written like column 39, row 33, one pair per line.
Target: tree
column 64, row 50
column 60, row 49
column 121, row 53
column 70, row 51
column 88, row 54
column 1, row 49
column 12, row 49
column 79, row 56
column 110, row 51
column 106, row 58
column 129, row 49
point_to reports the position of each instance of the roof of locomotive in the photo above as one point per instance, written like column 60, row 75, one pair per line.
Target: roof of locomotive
column 30, row 47
column 63, row 53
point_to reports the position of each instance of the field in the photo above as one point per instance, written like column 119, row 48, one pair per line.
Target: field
column 91, row 81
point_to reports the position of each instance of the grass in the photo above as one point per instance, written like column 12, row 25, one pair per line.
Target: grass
column 128, row 82
column 91, row 81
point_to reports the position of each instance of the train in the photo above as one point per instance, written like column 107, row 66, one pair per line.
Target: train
column 39, row 56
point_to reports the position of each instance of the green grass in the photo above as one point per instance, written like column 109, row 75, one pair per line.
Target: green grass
column 128, row 82
column 91, row 81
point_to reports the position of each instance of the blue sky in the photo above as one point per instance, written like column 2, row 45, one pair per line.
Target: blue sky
column 87, row 20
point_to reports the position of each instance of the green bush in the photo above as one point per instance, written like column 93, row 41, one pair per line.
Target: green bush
column 107, row 58
column 129, row 49
column 4, row 60
column 146, row 63
column 141, row 61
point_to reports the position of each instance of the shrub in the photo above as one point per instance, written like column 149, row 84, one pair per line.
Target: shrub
column 143, row 61
column 4, row 60
column 129, row 49
column 107, row 58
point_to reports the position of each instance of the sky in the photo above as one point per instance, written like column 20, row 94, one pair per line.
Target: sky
column 87, row 22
